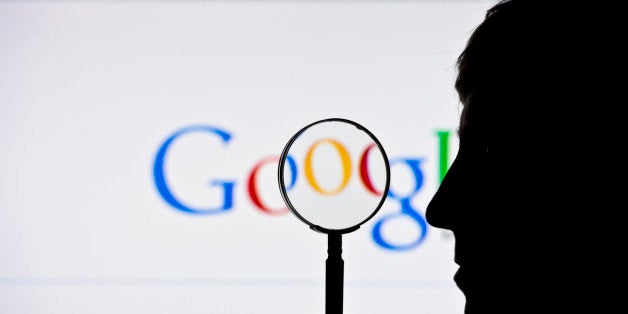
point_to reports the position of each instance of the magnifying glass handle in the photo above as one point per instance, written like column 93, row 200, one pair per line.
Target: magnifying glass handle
column 334, row 275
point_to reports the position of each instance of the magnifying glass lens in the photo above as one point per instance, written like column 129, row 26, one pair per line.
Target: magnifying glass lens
column 334, row 174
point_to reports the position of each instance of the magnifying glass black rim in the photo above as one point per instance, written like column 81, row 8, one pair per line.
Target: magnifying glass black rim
column 282, row 186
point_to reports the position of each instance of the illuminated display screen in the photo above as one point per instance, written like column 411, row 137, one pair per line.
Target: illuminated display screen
column 140, row 143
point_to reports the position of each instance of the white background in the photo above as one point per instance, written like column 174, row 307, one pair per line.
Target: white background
column 89, row 90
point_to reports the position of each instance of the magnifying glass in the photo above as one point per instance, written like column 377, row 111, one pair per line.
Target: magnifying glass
column 341, row 182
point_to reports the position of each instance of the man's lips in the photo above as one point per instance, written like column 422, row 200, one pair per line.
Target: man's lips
column 460, row 280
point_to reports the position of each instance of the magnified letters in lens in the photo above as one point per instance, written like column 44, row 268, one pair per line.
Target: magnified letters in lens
column 341, row 182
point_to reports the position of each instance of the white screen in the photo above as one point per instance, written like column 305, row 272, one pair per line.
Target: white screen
column 92, row 220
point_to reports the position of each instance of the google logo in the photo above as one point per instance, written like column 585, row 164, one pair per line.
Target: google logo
column 226, row 188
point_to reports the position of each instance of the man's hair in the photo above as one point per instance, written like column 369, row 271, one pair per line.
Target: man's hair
column 508, row 64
